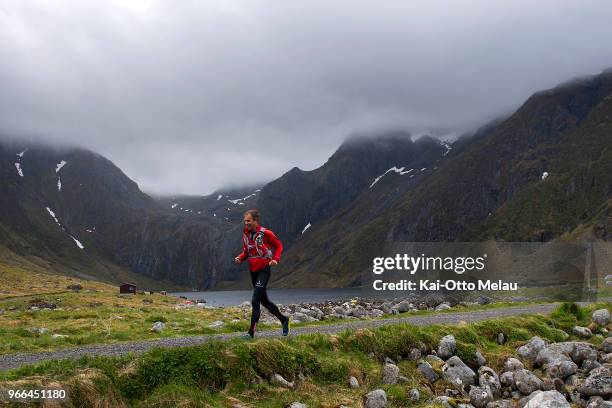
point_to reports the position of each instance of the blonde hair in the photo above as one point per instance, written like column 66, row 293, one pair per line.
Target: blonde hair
column 253, row 213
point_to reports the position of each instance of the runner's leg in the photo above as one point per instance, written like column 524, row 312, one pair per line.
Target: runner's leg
column 264, row 276
column 255, row 302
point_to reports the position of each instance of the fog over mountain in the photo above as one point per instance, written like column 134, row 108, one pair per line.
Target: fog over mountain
column 189, row 96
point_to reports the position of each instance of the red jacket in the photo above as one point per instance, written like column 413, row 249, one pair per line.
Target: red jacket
column 258, row 246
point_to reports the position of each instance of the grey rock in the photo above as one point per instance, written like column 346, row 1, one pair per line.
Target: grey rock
column 431, row 359
column 598, row 402
column 358, row 311
column 527, row 382
column 583, row 351
column 428, row 372
column 598, row 383
column 601, row 317
column 572, row 380
column 561, row 369
column 530, row 350
column 507, row 380
column 390, row 372
column 302, row 317
column 480, row 396
column 487, row 377
column 442, row 306
column 501, row 338
column 375, row 399
column 547, row 399
column 297, row 405
column 606, row 346
column 158, row 327
column 501, row 404
column 513, row 364
column 403, row 306
column 216, row 324
column 479, row 359
column 447, row 346
column 548, row 355
column 403, row 380
column 456, row 372
column 375, row 313
column 589, row 365
column 414, row 394
column 606, row 358
column 582, row 332
column 339, row 310
column 415, row 354
column 443, row 401
column 353, row 383
column 38, row 330
column 278, row 379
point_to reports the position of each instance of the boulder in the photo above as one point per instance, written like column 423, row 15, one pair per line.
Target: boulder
column 561, row 369
column 479, row 359
column 507, row 380
column 427, row 371
column 375, row 399
column 527, row 382
column 606, row 346
column 530, row 350
column 601, row 317
column 353, row 383
column 297, row 405
column 390, row 373
column 456, row 372
column 480, row 396
column 547, row 399
column 513, row 364
column 582, row 332
column 487, row 377
column 278, row 379
column 414, row 395
column 216, row 324
column 158, row 327
column 598, row 383
column 447, row 347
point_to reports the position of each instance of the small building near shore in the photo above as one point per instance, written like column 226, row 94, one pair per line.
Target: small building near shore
column 127, row 288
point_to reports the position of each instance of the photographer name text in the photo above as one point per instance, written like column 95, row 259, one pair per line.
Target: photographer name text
column 436, row 285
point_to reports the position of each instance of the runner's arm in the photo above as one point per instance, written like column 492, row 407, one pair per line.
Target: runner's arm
column 272, row 240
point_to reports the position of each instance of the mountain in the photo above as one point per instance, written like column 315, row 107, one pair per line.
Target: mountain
column 541, row 174
column 78, row 214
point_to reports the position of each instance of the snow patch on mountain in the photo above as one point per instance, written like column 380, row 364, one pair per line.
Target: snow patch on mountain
column 77, row 242
column 59, row 184
column 173, row 205
column 238, row 200
column 18, row 167
column 544, row 175
column 306, row 227
column 447, row 146
column 22, row 153
column 219, row 197
column 59, row 165
column 53, row 215
column 400, row 171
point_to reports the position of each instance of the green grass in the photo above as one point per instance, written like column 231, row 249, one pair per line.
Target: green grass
column 219, row 374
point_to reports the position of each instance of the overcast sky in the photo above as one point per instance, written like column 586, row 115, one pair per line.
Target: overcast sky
column 189, row 96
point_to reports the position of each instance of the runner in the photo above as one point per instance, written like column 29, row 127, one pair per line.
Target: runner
column 257, row 246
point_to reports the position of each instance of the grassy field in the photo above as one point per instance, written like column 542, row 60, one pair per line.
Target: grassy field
column 98, row 314
column 220, row 374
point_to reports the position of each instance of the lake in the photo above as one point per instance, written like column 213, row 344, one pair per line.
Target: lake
column 278, row 296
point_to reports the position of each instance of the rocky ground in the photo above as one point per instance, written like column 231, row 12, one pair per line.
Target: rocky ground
column 540, row 375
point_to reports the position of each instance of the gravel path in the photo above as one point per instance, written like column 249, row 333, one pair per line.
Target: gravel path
column 11, row 361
